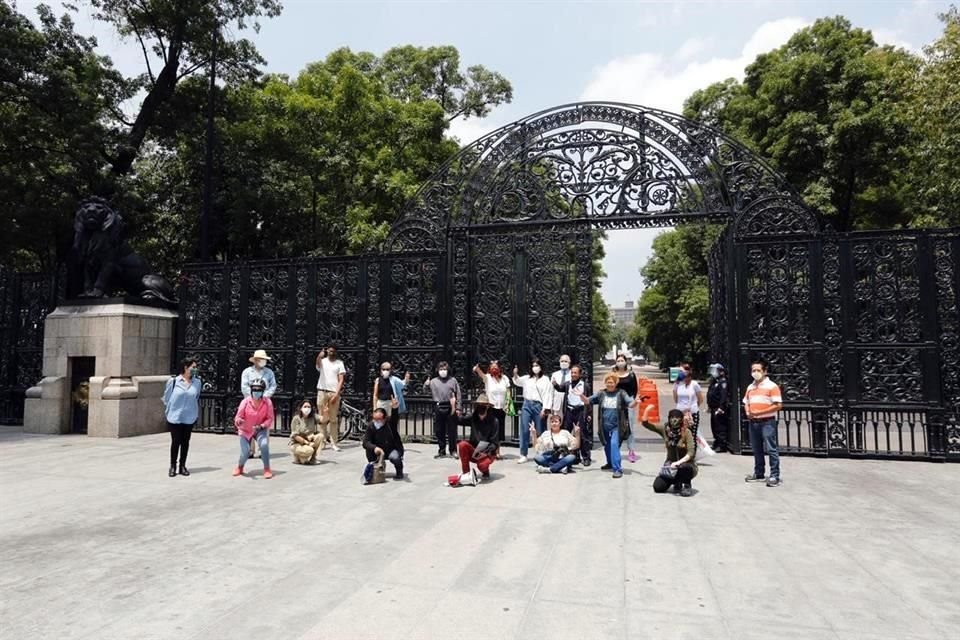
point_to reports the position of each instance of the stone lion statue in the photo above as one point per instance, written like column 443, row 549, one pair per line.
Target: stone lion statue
column 108, row 263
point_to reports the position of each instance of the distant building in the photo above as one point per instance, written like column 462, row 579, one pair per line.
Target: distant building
column 623, row 316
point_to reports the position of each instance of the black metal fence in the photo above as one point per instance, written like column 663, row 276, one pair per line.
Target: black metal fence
column 862, row 331
column 25, row 301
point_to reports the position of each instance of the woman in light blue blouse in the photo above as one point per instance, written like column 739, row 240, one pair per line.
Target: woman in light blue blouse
column 181, row 401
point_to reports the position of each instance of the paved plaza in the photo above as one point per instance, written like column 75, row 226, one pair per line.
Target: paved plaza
column 97, row 542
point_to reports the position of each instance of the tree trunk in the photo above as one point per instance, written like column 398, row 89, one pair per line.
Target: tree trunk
column 161, row 92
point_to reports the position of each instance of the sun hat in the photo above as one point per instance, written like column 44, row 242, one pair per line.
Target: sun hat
column 481, row 399
column 260, row 353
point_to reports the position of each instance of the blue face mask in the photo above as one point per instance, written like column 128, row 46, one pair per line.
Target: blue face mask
column 257, row 394
column 681, row 376
column 377, row 424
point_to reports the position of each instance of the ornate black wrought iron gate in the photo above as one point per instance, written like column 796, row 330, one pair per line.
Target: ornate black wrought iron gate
column 492, row 259
column 25, row 301
column 861, row 331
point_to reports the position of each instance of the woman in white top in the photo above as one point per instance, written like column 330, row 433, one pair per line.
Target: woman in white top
column 688, row 396
column 537, row 398
column 496, row 385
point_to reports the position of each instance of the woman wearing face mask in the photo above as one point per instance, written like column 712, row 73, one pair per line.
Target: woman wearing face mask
column 253, row 421
column 495, row 387
column 688, row 396
column 445, row 391
column 679, row 468
column 181, row 402
column 305, row 438
column 627, row 382
column 613, row 425
column 537, row 398
column 556, row 446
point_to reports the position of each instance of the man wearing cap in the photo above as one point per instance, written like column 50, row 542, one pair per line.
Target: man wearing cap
column 481, row 448
column 718, row 401
column 258, row 370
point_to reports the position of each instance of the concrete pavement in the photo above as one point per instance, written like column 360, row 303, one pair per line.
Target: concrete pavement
column 97, row 542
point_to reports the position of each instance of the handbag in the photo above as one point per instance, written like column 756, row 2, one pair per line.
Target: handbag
column 375, row 472
column 667, row 472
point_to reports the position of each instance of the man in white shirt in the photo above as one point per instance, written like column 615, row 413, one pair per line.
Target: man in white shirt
column 329, row 387
column 567, row 403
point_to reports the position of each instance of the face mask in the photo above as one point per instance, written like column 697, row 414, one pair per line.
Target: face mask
column 681, row 376
column 758, row 376
column 621, row 365
column 443, row 373
column 536, row 370
column 564, row 365
column 257, row 394
column 260, row 363
column 385, row 374
column 305, row 411
column 193, row 372
column 377, row 424
column 674, row 423
column 495, row 371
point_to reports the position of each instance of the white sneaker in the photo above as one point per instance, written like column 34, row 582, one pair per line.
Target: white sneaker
column 565, row 470
column 521, row 459
column 474, row 476
column 542, row 469
column 336, row 448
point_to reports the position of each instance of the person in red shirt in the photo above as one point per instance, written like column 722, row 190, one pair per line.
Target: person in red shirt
column 253, row 421
column 762, row 401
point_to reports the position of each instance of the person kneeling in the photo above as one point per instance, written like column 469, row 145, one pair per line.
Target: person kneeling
column 554, row 447
column 481, row 448
column 305, row 437
column 382, row 442
column 679, row 469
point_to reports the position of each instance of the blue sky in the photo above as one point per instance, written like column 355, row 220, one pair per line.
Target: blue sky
column 650, row 53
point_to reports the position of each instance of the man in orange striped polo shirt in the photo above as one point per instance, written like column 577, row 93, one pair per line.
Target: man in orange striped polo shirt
column 762, row 401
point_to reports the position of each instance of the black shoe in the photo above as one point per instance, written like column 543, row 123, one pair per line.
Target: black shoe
column 173, row 472
column 439, row 455
column 686, row 491
column 607, row 467
column 753, row 478
column 399, row 476
column 587, row 463
column 184, row 471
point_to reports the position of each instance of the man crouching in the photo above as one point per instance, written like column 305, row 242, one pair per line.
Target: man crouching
column 381, row 442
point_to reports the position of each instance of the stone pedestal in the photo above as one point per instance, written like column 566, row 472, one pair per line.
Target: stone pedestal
column 132, row 346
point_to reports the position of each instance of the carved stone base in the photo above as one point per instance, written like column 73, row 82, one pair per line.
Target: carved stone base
column 132, row 346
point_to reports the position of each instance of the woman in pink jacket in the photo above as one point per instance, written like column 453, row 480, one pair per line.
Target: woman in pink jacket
column 253, row 421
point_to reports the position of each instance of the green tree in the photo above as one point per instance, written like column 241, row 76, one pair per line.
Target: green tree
column 180, row 38
column 672, row 316
column 57, row 97
column 824, row 108
column 934, row 111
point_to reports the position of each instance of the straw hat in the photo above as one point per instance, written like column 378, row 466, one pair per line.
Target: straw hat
column 259, row 353
column 481, row 399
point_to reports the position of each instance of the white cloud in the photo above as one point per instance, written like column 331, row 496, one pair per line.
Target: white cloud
column 893, row 37
column 466, row 131
column 655, row 80
column 692, row 48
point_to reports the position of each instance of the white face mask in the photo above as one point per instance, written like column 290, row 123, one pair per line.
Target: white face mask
column 377, row 424
column 260, row 362
column 536, row 370
column 621, row 364
column 758, row 376
column 305, row 411
column 443, row 373
column 564, row 365
column 384, row 374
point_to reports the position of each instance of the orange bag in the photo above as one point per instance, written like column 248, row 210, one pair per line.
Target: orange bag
column 648, row 397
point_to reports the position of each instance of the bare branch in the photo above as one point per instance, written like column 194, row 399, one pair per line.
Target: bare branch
column 143, row 47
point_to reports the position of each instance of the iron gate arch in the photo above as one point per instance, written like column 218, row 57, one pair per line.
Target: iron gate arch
column 508, row 226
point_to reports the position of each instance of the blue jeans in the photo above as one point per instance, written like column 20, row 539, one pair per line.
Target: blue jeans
column 763, row 435
column 556, row 464
column 263, row 441
column 529, row 413
column 612, row 445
